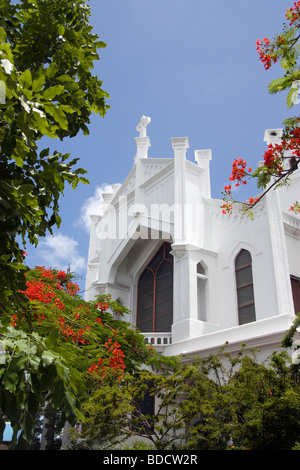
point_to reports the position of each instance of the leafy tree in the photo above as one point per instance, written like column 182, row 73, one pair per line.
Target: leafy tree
column 47, row 90
column 240, row 403
column 47, row 51
column 57, row 344
column 144, row 404
column 223, row 402
column 280, row 161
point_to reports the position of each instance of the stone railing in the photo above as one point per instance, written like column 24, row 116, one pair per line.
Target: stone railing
column 158, row 339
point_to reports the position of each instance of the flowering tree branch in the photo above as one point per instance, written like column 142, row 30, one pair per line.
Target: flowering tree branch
column 280, row 160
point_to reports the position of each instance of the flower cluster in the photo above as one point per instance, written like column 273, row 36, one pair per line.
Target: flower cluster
column 272, row 158
column 103, row 306
column 295, row 208
column 70, row 332
column 239, row 172
column 113, row 365
column 226, row 208
column 289, row 147
column 266, row 52
column 44, row 289
column 252, row 200
column 38, row 291
column 90, row 329
column 293, row 13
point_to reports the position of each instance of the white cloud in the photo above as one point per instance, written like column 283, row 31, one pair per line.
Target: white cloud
column 59, row 251
column 94, row 205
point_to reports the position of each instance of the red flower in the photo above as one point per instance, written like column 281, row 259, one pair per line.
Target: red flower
column 61, row 275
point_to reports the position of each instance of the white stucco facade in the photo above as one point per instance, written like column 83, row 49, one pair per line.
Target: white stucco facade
column 169, row 199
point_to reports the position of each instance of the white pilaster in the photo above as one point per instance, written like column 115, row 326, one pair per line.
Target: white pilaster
column 203, row 158
column 180, row 146
column 279, row 255
column 142, row 145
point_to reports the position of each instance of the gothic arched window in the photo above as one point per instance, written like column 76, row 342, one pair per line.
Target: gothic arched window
column 155, row 293
column 244, row 285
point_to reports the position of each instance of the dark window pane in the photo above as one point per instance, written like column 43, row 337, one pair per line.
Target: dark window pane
column 200, row 269
column 168, row 250
column 245, row 291
column 243, row 259
column 145, row 408
column 164, row 297
column 145, row 301
column 295, row 282
column 158, row 258
column 247, row 314
column 245, row 296
column 244, row 277
column 155, row 293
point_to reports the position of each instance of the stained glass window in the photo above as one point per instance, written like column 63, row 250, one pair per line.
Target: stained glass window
column 155, row 293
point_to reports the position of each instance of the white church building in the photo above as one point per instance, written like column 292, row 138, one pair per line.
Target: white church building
column 192, row 277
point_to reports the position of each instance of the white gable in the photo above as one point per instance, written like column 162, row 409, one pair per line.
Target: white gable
column 169, row 199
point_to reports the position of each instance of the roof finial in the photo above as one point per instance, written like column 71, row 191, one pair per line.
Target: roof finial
column 141, row 127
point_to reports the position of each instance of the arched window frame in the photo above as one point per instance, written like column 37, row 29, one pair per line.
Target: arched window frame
column 245, row 287
column 166, row 258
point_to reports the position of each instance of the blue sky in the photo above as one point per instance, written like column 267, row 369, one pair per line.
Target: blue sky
column 192, row 66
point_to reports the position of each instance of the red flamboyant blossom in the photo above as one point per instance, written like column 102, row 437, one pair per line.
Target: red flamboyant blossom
column 293, row 13
column 113, row 365
column 265, row 52
column 51, row 293
column 103, row 306
column 288, row 148
column 227, row 208
column 295, row 208
column 239, row 172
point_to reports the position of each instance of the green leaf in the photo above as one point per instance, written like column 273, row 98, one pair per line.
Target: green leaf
column 19, row 363
column 100, row 44
column 60, row 118
column 52, row 92
column 57, row 114
column 292, row 97
column 84, row 180
column 10, row 380
column 51, row 339
column 44, row 153
column 19, row 161
column 2, row 34
column 68, row 175
column 38, row 83
column 279, row 84
column 27, row 426
column 64, row 78
column 58, row 395
column 26, row 188
column 69, row 409
column 51, row 71
column 67, row 109
column 47, row 358
column 41, row 122
column 26, row 79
